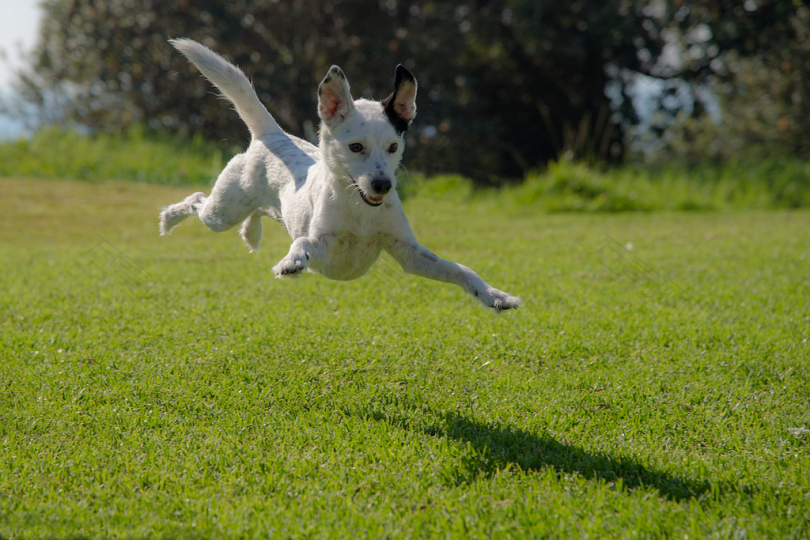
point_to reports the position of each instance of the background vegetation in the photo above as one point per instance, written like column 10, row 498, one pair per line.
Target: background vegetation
column 563, row 186
column 155, row 158
column 505, row 85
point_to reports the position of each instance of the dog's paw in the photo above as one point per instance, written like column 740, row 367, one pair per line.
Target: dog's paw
column 499, row 300
column 289, row 267
column 168, row 221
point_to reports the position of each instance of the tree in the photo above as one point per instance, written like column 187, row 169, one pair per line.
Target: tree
column 504, row 85
column 754, row 60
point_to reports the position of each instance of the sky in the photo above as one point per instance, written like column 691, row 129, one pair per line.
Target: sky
column 19, row 20
column 18, row 27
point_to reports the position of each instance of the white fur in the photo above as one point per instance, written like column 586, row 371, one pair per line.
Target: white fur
column 324, row 196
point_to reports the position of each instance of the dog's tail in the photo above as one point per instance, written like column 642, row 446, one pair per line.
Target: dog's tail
column 233, row 84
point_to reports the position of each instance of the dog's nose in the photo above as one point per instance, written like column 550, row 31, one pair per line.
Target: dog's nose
column 381, row 185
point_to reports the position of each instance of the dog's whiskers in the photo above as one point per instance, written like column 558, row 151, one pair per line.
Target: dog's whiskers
column 356, row 188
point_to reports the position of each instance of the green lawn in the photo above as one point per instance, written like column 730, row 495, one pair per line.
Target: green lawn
column 655, row 383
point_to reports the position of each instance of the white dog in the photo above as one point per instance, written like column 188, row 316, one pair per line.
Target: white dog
column 337, row 200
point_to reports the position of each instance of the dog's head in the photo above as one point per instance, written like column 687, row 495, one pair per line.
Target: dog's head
column 362, row 141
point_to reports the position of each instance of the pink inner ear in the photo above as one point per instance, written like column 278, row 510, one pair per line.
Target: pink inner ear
column 404, row 105
column 330, row 105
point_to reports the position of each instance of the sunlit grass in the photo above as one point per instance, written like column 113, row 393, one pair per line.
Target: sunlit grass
column 654, row 384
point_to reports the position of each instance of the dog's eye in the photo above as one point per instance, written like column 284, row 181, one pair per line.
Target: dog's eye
column 356, row 147
column 392, row 148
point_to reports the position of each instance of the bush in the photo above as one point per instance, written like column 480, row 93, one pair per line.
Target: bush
column 135, row 155
column 574, row 187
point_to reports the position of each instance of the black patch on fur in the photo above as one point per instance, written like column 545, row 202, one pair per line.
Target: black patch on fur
column 400, row 125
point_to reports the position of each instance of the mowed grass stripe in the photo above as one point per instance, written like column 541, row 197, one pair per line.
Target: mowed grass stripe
column 654, row 384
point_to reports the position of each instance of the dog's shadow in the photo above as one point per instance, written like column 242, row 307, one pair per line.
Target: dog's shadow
column 497, row 447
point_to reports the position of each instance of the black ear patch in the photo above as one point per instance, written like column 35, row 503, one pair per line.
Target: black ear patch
column 400, row 106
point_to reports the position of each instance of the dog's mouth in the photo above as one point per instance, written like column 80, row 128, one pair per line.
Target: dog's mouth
column 371, row 200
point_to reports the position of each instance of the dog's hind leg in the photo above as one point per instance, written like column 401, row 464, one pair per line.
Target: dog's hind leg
column 235, row 196
column 251, row 231
column 216, row 212
column 237, row 193
column 175, row 213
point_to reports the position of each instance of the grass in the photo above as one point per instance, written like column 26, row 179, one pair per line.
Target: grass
column 654, row 385
column 138, row 155
column 159, row 158
column 575, row 187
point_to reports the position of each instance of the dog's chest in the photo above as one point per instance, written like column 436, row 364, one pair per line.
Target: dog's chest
column 350, row 255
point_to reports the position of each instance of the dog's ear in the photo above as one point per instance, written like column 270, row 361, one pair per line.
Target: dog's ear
column 334, row 98
column 400, row 106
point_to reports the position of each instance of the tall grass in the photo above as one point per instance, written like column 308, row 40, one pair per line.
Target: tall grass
column 135, row 155
column 574, row 187
column 564, row 186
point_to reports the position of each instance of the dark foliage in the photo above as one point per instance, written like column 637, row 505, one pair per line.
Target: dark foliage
column 504, row 85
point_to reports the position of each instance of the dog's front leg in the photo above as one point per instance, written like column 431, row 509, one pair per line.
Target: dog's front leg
column 302, row 251
column 416, row 259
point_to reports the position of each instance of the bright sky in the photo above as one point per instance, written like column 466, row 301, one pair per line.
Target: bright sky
column 18, row 28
